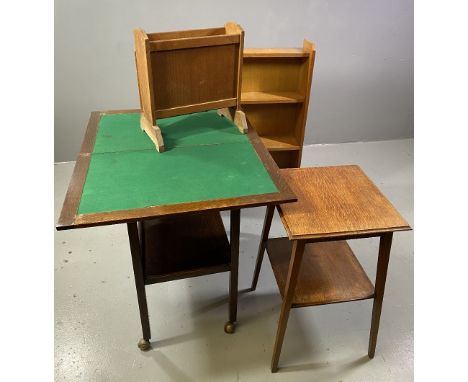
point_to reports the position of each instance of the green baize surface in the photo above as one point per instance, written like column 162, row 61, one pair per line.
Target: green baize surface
column 206, row 158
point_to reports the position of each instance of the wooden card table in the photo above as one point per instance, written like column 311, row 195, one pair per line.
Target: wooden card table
column 315, row 265
column 171, row 201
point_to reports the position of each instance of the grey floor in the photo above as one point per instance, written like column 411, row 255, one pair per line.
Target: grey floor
column 96, row 315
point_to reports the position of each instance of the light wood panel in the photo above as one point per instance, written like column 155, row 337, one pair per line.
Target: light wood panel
column 260, row 97
column 188, row 71
column 144, row 75
column 334, row 201
column 186, row 33
column 275, row 96
column 272, row 74
column 275, row 120
column 280, row 143
column 193, row 42
column 274, row 52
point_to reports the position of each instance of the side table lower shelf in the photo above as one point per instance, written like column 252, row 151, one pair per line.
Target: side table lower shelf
column 329, row 273
column 184, row 246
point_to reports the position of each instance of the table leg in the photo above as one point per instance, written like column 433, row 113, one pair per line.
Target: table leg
column 229, row 327
column 261, row 248
column 293, row 273
column 137, row 260
column 382, row 266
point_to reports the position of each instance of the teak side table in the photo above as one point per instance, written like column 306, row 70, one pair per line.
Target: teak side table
column 315, row 265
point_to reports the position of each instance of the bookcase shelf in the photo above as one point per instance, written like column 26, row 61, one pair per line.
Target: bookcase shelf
column 274, row 52
column 275, row 97
column 259, row 97
column 280, row 143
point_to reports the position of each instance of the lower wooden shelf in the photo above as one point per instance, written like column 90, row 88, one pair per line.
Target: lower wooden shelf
column 329, row 273
column 184, row 246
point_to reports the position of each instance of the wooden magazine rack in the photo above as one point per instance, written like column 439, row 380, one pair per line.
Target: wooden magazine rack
column 189, row 71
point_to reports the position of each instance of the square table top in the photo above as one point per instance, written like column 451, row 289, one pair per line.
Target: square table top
column 208, row 165
column 337, row 201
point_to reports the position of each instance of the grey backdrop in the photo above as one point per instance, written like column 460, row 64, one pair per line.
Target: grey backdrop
column 362, row 87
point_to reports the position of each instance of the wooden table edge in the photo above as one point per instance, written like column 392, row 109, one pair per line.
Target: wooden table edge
column 345, row 235
column 342, row 234
column 70, row 219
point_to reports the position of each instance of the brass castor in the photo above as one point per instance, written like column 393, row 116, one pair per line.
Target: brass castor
column 229, row 327
column 144, row 345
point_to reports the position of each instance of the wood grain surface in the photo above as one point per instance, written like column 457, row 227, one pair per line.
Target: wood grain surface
column 144, row 75
column 184, row 246
column 329, row 273
column 275, row 96
column 188, row 71
column 274, row 52
column 334, row 201
column 192, row 76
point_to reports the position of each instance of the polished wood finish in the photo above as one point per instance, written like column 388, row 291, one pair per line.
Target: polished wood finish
column 178, row 244
column 137, row 261
column 189, row 77
column 178, row 247
column 275, row 52
column 233, row 276
column 270, row 210
column 144, row 75
column 280, row 143
column 334, row 201
column 193, row 42
column 178, row 110
column 381, row 277
column 188, row 33
column 185, row 72
column 234, row 28
column 261, row 97
column 288, row 296
column 275, row 96
column 274, row 120
column 69, row 219
column 330, row 273
column 75, row 187
column 87, row 145
column 334, row 204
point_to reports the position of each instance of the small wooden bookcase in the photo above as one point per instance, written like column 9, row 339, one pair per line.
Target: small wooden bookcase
column 275, row 97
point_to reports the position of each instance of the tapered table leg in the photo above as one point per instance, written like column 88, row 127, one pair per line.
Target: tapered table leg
column 229, row 327
column 261, row 248
column 137, row 261
column 293, row 273
column 382, row 266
